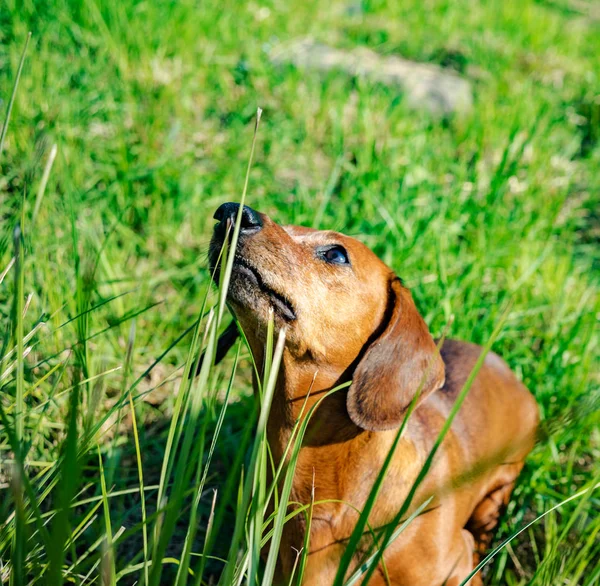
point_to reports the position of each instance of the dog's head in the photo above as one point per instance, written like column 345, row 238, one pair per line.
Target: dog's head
column 342, row 306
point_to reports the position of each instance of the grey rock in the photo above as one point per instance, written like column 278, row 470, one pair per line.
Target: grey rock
column 425, row 86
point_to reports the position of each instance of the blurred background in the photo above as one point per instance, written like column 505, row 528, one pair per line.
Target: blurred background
column 459, row 140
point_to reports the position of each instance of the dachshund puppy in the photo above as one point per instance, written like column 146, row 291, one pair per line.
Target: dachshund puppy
column 349, row 318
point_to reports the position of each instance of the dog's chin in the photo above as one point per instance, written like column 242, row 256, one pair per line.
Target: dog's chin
column 248, row 303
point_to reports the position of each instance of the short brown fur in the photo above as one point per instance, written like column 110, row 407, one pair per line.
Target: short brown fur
column 358, row 322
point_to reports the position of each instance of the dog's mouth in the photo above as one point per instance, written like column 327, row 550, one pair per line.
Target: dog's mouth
column 251, row 275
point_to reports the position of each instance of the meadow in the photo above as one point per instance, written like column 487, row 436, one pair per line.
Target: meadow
column 133, row 121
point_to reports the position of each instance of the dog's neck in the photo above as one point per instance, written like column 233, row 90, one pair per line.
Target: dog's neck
column 303, row 389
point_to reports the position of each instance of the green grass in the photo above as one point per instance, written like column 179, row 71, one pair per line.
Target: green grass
column 133, row 121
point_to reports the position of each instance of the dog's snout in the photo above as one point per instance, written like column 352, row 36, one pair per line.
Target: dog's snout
column 251, row 220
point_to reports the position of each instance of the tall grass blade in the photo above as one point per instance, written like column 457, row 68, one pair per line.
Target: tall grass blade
column 108, row 572
column 246, row 495
column 18, row 337
column 258, row 502
column 18, row 554
column 207, row 541
column 166, row 523
column 43, row 183
column 201, row 476
column 306, row 545
column 294, row 568
column 20, row 538
column 238, row 222
column 373, row 560
column 65, row 491
column 138, row 451
column 281, row 513
column 553, row 549
column 13, row 94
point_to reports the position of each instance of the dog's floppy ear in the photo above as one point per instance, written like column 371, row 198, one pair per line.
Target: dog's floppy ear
column 400, row 363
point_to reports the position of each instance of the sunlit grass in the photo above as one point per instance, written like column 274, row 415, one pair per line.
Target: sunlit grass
column 115, row 464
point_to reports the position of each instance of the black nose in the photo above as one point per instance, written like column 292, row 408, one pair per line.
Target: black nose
column 228, row 211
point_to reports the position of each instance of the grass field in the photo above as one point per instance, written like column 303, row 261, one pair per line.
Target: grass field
column 149, row 108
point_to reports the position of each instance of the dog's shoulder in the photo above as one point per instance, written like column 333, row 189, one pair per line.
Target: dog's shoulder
column 460, row 358
column 496, row 400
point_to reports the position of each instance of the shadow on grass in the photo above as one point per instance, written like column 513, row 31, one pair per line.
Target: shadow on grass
column 224, row 477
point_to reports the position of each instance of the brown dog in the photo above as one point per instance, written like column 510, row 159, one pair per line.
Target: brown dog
column 348, row 317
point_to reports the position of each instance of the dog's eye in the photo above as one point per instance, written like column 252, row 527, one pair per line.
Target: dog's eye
column 336, row 255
